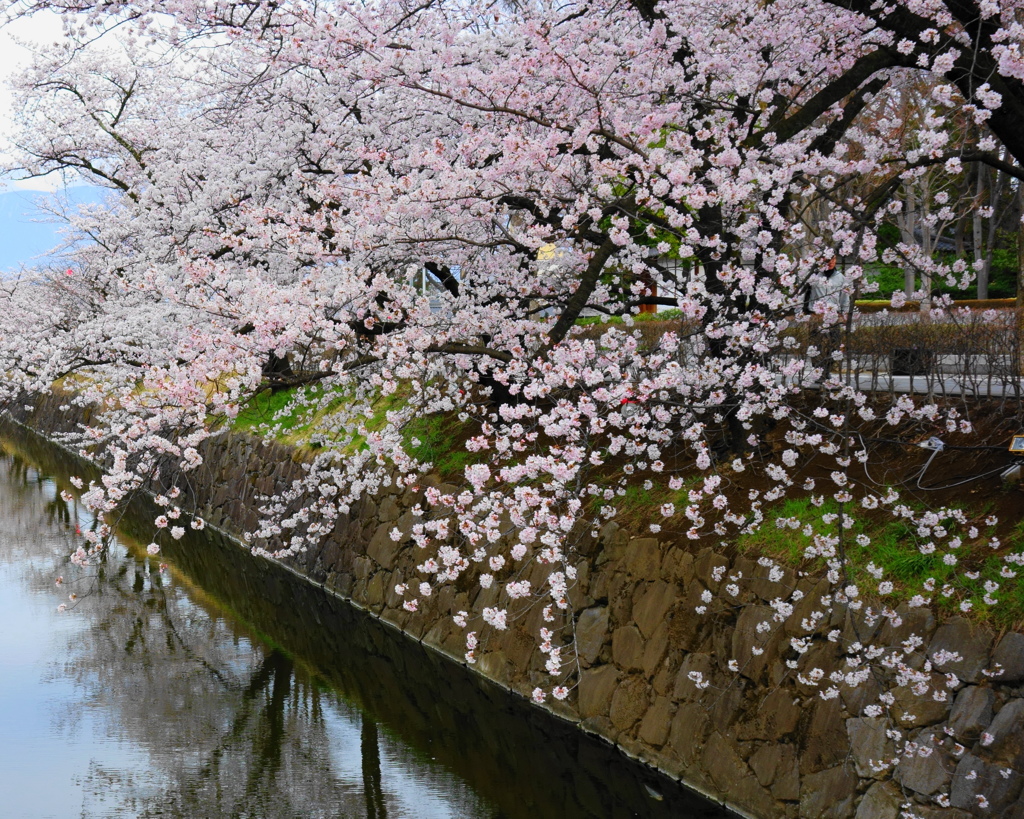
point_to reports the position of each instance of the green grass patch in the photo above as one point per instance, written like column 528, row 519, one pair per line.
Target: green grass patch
column 384, row 404
column 639, row 501
column 639, row 506
column 295, row 415
column 378, row 414
column 783, row 542
column 894, row 548
column 265, row 409
column 439, row 439
column 1009, row 611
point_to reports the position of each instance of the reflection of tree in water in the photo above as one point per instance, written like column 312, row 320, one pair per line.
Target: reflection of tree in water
column 230, row 728
column 233, row 730
column 28, row 491
column 370, row 746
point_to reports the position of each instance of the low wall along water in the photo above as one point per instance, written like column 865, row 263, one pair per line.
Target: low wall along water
column 758, row 742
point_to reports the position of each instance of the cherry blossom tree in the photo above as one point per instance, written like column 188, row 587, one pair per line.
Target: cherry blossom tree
column 285, row 178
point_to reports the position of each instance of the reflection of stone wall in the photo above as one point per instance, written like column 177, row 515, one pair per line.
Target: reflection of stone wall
column 758, row 741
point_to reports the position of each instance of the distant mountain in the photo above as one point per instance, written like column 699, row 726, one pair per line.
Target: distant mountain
column 27, row 232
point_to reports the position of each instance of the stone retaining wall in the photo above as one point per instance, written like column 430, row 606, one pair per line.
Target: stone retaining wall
column 757, row 741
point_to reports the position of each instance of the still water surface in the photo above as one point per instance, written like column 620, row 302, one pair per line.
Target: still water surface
column 148, row 698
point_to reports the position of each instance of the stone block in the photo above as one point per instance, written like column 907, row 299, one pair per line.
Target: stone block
column 935, row 812
column 882, row 801
column 787, row 775
column 677, row 567
column 602, row 726
column 686, row 626
column 766, row 589
column 665, row 675
column 484, row 598
column 591, row 634
column 361, row 568
column 777, row 716
column 579, row 592
column 912, row 621
column 1008, row 730
column 825, row 741
column 727, row 706
column 342, row 583
column 970, row 640
column 596, row 687
column 655, row 650
column 454, row 641
column 764, row 762
column 705, row 566
column 754, row 649
column 914, row 710
column 988, row 781
column 685, row 688
column 620, row 598
column 445, row 596
column 734, row 779
column 601, row 583
column 686, row 734
column 823, row 655
column 869, row 744
column 926, row 775
column 387, row 510
column 808, row 605
column 376, row 590
column 652, row 605
column 436, row 634
column 265, row 484
column 856, row 697
column 828, row 794
column 494, row 666
column 412, row 496
column 629, row 703
column 382, row 548
column 724, row 766
column 1010, row 655
column 519, row 646
column 614, row 540
column 405, row 523
column 628, row 648
column 657, row 721
column 971, row 713
column 643, row 558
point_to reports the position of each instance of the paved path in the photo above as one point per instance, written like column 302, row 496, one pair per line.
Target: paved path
column 940, row 385
column 925, row 385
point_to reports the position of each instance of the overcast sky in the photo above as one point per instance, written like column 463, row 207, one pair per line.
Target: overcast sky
column 40, row 29
column 26, row 233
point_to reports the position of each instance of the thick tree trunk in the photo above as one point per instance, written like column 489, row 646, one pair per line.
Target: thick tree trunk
column 1020, row 247
column 998, row 179
column 907, row 222
column 980, row 268
column 928, row 246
